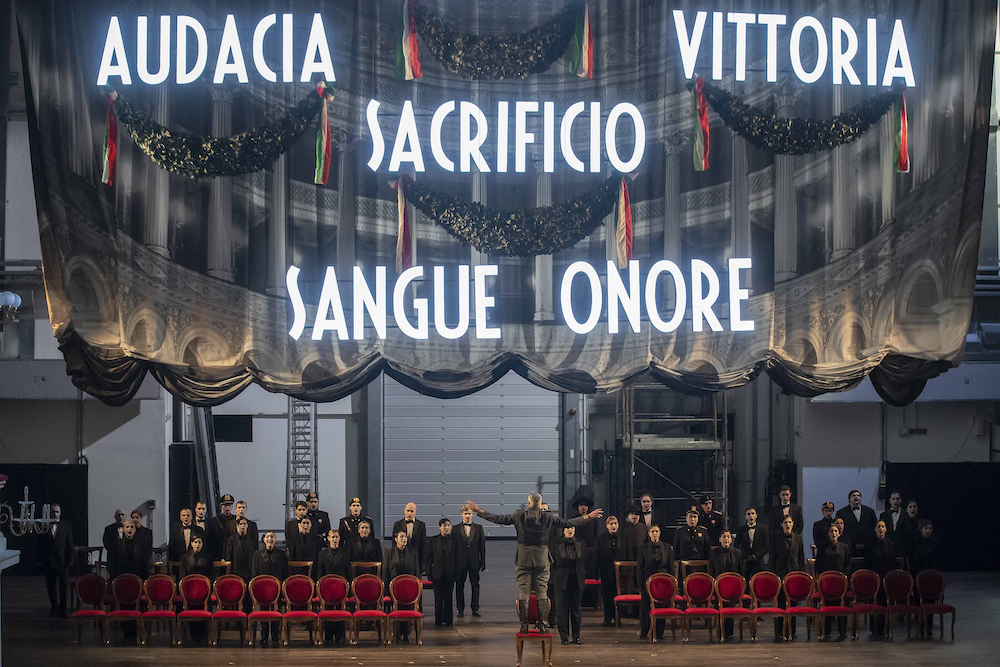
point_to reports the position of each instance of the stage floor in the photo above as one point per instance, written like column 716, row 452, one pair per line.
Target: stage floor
column 29, row 638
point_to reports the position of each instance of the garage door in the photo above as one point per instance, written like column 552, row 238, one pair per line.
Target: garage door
column 493, row 447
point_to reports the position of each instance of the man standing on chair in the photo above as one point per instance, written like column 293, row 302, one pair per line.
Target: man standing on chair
column 469, row 561
column 531, row 564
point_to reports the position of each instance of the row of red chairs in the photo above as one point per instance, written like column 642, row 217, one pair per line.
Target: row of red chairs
column 829, row 595
column 306, row 603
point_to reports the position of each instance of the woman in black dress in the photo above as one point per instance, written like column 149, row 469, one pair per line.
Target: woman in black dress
column 399, row 559
column 198, row 561
column 654, row 556
column 365, row 547
column 274, row 562
column 834, row 556
column 333, row 560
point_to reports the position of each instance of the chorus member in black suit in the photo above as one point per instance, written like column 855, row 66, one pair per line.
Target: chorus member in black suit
column 470, row 560
column 821, row 527
column 924, row 552
column 273, row 562
column 880, row 559
column 113, row 534
column 349, row 524
column 333, row 560
column 753, row 539
column 220, row 527
column 415, row 529
column 320, row 520
column 240, row 550
column 208, row 531
column 610, row 548
column 441, row 555
column 585, row 532
column 132, row 557
column 654, row 556
column 649, row 516
column 400, row 559
column 143, row 534
column 834, row 557
column 365, row 547
column 241, row 513
column 726, row 558
column 198, row 561
column 634, row 534
column 57, row 558
column 691, row 540
column 568, row 581
column 181, row 535
column 859, row 522
column 710, row 519
column 292, row 525
column 304, row 545
column 785, row 507
column 892, row 516
column 786, row 556
column 908, row 529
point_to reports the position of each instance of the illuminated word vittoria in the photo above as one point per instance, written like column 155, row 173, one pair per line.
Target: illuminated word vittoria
column 474, row 131
column 625, row 297
column 230, row 60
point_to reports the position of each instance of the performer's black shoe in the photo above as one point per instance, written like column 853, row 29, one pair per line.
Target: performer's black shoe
column 565, row 641
column 475, row 612
column 577, row 640
column 263, row 642
column 461, row 614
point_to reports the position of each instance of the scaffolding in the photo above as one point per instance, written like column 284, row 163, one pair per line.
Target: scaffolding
column 303, row 471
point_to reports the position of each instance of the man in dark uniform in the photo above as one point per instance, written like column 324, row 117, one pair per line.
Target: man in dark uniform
column 469, row 561
column 349, row 524
column 181, row 535
column 252, row 532
column 649, row 516
column 610, row 548
column 710, row 519
column 859, row 522
column 892, row 515
column 753, row 540
column 220, row 527
column 415, row 529
column 57, row 557
column 292, row 525
column 785, row 507
column 786, row 556
column 691, row 540
column 531, row 563
column 320, row 520
column 822, row 527
column 113, row 534
column 440, row 566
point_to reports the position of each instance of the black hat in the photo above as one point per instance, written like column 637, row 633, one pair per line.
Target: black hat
column 355, row 500
column 312, row 496
column 227, row 499
column 706, row 498
column 583, row 497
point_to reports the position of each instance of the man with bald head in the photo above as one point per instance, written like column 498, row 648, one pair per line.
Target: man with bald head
column 415, row 529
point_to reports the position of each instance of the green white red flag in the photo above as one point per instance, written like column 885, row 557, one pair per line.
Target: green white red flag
column 324, row 144
column 700, row 144
column 623, row 226
column 582, row 62
column 408, row 55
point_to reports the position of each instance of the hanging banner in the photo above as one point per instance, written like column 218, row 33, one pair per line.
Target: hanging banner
column 803, row 197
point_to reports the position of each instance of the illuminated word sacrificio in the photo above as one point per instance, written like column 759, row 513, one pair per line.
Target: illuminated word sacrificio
column 474, row 131
column 625, row 297
column 230, row 60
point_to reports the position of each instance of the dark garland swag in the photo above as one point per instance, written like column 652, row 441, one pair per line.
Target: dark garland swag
column 513, row 56
column 518, row 233
column 798, row 136
column 201, row 157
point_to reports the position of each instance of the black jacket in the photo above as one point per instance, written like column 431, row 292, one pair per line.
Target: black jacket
column 886, row 517
column 777, row 515
column 653, row 558
column 753, row 554
column 442, row 558
column 218, row 534
column 633, row 537
column 57, row 550
column 145, row 537
column 609, row 549
column 419, row 539
column 588, row 532
column 332, row 561
column 653, row 517
column 349, row 525
column 198, row 563
column 570, row 561
column 787, row 554
column 131, row 558
column 320, row 523
column 862, row 532
column 177, row 547
column 835, row 557
column 907, row 534
column 252, row 531
column 821, row 529
column 471, row 550
column 110, row 541
column 239, row 553
column 691, row 543
column 274, row 563
column 367, row 551
column 924, row 555
column 712, row 523
column 399, row 561
column 725, row 560
column 302, row 546
column 881, row 556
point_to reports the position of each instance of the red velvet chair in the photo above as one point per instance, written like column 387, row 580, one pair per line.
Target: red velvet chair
column 298, row 592
column 729, row 588
column 230, row 590
column 662, row 589
column 405, row 591
column 627, row 595
column 333, row 591
column 832, row 588
column 90, row 589
column 126, row 589
column 196, row 592
column 264, row 591
column 160, row 590
column 367, row 594
column 865, row 585
column 898, row 585
column 799, row 588
column 764, row 590
column 698, row 590
column 930, row 592
column 543, row 638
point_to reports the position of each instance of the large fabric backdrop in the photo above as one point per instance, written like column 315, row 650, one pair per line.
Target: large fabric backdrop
column 857, row 269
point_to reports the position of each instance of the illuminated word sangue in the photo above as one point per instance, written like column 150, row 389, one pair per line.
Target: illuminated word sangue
column 836, row 46
column 624, row 298
column 474, row 132
column 175, row 32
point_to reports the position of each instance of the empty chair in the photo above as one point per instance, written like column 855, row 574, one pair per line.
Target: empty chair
column 298, row 591
column 799, row 588
column 367, row 590
column 229, row 592
column 626, row 593
column 765, row 587
column 405, row 591
column 264, row 591
column 865, row 585
column 90, row 590
column 160, row 591
column 930, row 591
column 126, row 589
column 698, row 590
column 729, row 588
column 898, row 585
column 662, row 589
column 196, row 592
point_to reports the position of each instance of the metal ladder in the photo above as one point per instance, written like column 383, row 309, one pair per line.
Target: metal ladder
column 303, row 470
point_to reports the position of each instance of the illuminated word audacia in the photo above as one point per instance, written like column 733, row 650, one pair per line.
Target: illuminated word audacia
column 625, row 298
